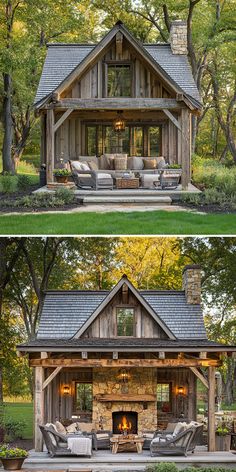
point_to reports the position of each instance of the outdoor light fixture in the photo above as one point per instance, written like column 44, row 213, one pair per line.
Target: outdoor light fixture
column 119, row 122
column 180, row 390
column 66, row 390
column 124, row 376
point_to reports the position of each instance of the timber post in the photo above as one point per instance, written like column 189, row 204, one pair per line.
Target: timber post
column 185, row 147
column 38, row 408
column 211, row 409
column 50, row 144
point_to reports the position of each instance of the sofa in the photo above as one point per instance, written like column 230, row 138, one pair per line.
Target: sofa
column 118, row 164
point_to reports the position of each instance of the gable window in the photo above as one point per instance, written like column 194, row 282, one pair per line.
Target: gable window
column 164, row 397
column 118, row 80
column 125, row 321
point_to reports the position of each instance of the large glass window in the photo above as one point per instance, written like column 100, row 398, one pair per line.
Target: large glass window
column 116, row 142
column 91, row 140
column 164, row 397
column 118, row 80
column 83, row 397
column 154, row 140
column 125, row 321
column 136, row 141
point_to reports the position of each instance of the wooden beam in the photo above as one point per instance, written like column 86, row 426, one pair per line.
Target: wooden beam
column 38, row 407
column 50, row 145
column 118, row 363
column 172, row 118
column 119, row 44
column 120, row 103
column 62, row 119
column 200, row 376
column 185, row 147
column 211, row 409
column 125, row 398
column 51, row 377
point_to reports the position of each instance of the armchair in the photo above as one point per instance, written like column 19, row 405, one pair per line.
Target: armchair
column 177, row 445
column 91, row 178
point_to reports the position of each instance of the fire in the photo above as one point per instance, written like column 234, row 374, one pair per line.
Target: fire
column 124, row 426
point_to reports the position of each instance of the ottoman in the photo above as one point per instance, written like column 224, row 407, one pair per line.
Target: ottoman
column 147, row 180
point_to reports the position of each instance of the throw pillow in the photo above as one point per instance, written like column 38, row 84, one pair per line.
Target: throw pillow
column 150, row 163
column 93, row 165
column 137, row 163
column 85, row 166
column 120, row 163
column 178, row 429
column 71, row 428
column 101, row 436
column 60, row 428
column 161, row 163
column 109, row 160
column 77, row 165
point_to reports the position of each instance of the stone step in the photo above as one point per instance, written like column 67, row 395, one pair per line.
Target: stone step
column 103, row 199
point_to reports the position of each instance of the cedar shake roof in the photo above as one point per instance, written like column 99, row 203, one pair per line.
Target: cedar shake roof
column 62, row 59
column 65, row 312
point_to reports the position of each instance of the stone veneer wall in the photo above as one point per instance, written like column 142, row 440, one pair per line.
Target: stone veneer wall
column 142, row 381
column 178, row 37
column 192, row 284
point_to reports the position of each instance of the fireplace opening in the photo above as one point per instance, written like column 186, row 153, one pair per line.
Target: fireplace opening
column 125, row 422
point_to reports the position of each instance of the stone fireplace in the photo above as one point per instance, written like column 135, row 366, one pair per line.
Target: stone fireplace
column 124, row 422
column 139, row 397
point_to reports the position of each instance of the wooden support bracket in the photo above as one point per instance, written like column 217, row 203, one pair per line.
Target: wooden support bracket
column 62, row 119
column 200, row 376
column 172, row 118
column 84, row 355
column 51, row 377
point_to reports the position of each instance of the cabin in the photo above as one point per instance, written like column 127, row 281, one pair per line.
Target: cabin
column 104, row 355
column 118, row 97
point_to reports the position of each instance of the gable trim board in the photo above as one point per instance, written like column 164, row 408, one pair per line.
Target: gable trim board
column 110, row 296
column 87, row 61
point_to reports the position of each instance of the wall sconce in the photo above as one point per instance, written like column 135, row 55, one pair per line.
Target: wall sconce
column 119, row 122
column 124, row 376
column 180, row 390
column 66, row 390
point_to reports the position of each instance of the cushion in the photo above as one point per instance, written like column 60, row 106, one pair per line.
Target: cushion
column 159, row 440
column 71, row 428
column 150, row 163
column 51, row 425
column 161, row 163
column 87, row 427
column 76, row 165
column 102, row 175
column 120, row 163
column 121, row 155
column 93, row 165
column 53, row 439
column 101, row 436
column 109, row 161
column 102, row 163
column 148, row 435
column 88, row 158
column 179, row 428
column 60, row 428
column 85, row 166
column 136, row 163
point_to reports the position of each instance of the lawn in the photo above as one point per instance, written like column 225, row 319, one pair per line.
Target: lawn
column 155, row 222
column 21, row 411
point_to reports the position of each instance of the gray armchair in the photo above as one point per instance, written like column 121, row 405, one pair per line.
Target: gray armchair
column 57, row 443
column 101, row 439
column 177, row 445
column 96, row 180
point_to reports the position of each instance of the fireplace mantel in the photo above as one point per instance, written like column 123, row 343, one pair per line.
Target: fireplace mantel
column 124, row 398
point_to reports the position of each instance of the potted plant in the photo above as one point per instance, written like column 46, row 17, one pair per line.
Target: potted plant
column 12, row 457
column 61, row 175
column 223, row 437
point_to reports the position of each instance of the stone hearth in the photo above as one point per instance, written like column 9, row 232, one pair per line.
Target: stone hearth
column 141, row 382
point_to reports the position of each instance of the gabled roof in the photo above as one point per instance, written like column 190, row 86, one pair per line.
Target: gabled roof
column 65, row 312
column 110, row 296
column 64, row 60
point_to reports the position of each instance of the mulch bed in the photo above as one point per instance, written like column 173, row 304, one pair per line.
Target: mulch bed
column 39, row 210
column 211, row 208
column 22, row 444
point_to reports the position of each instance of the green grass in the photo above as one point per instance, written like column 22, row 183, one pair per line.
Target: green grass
column 155, row 222
column 21, row 411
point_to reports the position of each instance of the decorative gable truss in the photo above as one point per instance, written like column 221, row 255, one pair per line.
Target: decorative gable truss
column 103, row 323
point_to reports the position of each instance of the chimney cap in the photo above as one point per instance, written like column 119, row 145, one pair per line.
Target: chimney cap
column 191, row 267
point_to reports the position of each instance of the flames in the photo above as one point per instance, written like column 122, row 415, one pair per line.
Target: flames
column 125, row 426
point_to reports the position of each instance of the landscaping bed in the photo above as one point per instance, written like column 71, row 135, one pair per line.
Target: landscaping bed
column 25, row 202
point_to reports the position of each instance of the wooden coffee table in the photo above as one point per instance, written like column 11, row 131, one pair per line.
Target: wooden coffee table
column 128, row 443
column 123, row 182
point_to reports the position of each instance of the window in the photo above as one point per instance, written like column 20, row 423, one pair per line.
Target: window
column 125, row 321
column 164, row 397
column 91, row 140
column 154, row 140
column 83, row 397
column 118, row 80
column 116, row 142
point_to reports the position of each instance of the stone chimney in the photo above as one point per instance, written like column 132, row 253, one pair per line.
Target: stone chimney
column 178, row 37
column 192, row 284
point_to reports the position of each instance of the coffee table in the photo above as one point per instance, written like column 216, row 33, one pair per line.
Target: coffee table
column 124, row 182
column 127, row 443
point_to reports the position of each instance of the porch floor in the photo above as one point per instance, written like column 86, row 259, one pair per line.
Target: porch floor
column 103, row 460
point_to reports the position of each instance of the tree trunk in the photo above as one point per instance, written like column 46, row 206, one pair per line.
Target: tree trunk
column 8, row 164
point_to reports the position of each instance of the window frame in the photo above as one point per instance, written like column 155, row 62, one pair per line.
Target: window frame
column 120, row 307
column 76, row 410
column 166, row 382
column 105, row 81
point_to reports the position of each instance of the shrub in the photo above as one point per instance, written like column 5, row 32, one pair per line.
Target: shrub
column 162, row 467
column 14, row 428
column 65, row 194
column 23, row 182
column 8, row 183
column 26, row 168
column 41, row 200
column 61, row 172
